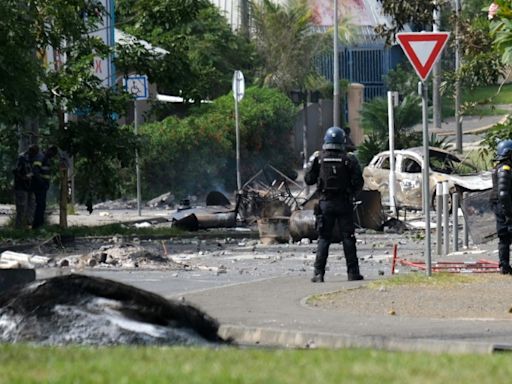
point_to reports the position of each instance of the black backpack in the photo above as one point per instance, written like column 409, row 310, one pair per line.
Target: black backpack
column 334, row 175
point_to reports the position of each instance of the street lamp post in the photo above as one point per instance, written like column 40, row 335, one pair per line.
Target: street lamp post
column 336, row 65
column 458, row 55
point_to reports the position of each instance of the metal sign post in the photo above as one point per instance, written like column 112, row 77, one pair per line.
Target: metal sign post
column 392, row 102
column 423, row 90
column 238, row 94
column 423, row 50
column 137, row 86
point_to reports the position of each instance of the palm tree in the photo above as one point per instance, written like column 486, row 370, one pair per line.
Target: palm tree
column 374, row 120
column 286, row 42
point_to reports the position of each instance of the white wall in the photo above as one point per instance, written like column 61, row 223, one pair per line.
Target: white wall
column 231, row 9
column 359, row 12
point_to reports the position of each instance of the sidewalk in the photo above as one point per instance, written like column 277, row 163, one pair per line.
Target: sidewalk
column 272, row 312
column 471, row 125
column 473, row 128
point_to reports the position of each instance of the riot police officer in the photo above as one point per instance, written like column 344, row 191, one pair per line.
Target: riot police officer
column 338, row 177
column 501, row 202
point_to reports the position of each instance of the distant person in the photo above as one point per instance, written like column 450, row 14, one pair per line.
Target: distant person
column 23, row 197
column 41, row 168
column 501, row 202
column 338, row 177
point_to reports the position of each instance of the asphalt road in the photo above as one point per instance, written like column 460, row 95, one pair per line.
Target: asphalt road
column 258, row 292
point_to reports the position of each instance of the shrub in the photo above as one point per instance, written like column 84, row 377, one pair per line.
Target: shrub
column 196, row 154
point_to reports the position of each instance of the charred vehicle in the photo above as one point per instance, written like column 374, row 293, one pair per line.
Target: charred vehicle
column 444, row 166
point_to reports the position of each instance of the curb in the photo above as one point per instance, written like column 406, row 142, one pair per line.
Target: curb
column 269, row 337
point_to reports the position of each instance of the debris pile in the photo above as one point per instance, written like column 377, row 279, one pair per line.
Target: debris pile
column 81, row 254
column 267, row 194
column 117, row 204
column 76, row 309
column 167, row 200
column 218, row 213
column 124, row 255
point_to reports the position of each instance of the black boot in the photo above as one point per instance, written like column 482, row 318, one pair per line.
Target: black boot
column 355, row 276
column 320, row 260
column 318, row 278
column 504, row 255
column 349, row 247
column 353, row 272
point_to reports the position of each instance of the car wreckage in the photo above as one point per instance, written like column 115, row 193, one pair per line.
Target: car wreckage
column 277, row 205
column 443, row 166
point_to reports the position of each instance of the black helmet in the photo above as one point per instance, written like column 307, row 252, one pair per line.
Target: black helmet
column 504, row 150
column 334, row 139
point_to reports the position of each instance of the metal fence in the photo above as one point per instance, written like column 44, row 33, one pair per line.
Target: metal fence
column 366, row 64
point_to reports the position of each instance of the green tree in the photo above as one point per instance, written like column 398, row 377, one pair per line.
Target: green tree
column 480, row 61
column 500, row 13
column 417, row 13
column 203, row 51
column 19, row 93
column 43, row 92
column 286, row 42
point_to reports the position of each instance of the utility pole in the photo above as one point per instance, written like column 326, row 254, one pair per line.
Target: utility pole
column 458, row 117
column 63, row 187
column 336, row 71
column 436, row 81
column 63, row 166
column 305, row 135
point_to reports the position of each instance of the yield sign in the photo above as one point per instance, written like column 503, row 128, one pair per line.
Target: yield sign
column 423, row 49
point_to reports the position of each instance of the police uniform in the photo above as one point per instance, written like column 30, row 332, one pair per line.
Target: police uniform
column 335, row 206
column 501, row 202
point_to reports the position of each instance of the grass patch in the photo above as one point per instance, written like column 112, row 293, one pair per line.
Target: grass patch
column 448, row 110
column 26, row 364
column 9, row 233
column 420, row 279
column 437, row 280
column 489, row 93
column 118, row 229
column 480, row 101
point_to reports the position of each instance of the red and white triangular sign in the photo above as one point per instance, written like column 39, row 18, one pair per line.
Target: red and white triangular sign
column 423, row 49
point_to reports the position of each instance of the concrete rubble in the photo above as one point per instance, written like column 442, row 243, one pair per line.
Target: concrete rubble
column 10, row 259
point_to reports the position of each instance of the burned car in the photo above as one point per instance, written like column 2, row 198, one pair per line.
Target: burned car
column 461, row 175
